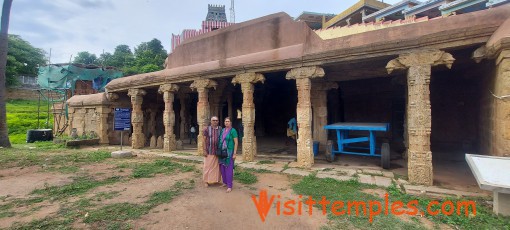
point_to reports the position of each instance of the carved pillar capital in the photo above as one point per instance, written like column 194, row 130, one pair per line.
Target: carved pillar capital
column 248, row 78
column 419, row 115
column 305, row 72
column 171, row 88
column 112, row 96
column 136, row 92
column 421, row 58
column 504, row 55
column 203, row 84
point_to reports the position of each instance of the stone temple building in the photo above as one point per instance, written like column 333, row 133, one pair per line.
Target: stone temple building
column 442, row 84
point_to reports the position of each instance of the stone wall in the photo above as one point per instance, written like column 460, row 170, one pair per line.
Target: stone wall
column 455, row 103
column 370, row 100
column 27, row 94
column 494, row 116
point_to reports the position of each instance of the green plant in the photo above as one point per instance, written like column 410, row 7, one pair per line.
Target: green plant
column 245, row 177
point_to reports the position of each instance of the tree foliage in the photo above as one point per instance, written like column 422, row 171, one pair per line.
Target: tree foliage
column 147, row 57
column 22, row 59
column 86, row 58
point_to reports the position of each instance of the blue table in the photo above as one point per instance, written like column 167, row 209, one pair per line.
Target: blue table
column 342, row 132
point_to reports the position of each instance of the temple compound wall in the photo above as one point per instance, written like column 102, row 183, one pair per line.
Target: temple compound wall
column 442, row 85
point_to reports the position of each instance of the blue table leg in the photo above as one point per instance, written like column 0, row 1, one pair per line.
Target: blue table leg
column 372, row 143
column 340, row 141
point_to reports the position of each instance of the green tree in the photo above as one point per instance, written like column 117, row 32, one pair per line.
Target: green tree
column 22, row 59
column 150, row 56
column 122, row 57
column 86, row 58
column 105, row 59
column 4, row 23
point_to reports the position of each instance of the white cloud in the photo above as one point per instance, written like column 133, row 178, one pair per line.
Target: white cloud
column 71, row 26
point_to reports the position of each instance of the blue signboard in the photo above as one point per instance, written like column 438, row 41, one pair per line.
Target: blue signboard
column 122, row 119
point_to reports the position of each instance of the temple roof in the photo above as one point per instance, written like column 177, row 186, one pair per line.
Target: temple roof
column 278, row 43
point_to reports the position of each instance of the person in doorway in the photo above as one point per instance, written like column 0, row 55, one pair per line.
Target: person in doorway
column 291, row 130
column 228, row 140
column 192, row 134
column 211, row 173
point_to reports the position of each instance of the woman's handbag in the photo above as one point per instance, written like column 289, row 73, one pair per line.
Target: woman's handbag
column 220, row 152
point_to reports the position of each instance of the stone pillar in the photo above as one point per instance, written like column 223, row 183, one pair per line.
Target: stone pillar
column 230, row 106
column 320, row 110
column 104, row 112
column 168, row 91
column 203, row 114
column 419, row 119
column 303, row 77
column 501, row 116
column 151, row 125
column 247, row 81
column 183, row 114
column 138, row 138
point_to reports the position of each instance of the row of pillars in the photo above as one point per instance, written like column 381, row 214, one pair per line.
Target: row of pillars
column 419, row 123
column 303, row 78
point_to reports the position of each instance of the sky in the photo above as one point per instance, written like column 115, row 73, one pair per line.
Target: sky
column 67, row 27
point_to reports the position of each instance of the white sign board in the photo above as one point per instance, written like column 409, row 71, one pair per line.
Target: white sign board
column 490, row 172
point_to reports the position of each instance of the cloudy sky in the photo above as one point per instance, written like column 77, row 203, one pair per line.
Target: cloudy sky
column 70, row 26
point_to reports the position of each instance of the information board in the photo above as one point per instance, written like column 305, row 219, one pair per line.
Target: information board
column 122, row 119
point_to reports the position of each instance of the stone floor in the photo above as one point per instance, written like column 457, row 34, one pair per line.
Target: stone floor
column 452, row 176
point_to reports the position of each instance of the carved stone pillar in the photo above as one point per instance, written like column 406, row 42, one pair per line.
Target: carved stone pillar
column 303, row 77
column 168, row 91
column 419, row 119
column 104, row 112
column 320, row 110
column 247, row 81
column 151, row 129
column 202, row 87
column 138, row 138
column 183, row 98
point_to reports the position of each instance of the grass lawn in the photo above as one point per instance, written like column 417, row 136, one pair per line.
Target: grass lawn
column 22, row 115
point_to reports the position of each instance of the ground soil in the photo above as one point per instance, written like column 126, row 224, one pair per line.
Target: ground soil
column 196, row 208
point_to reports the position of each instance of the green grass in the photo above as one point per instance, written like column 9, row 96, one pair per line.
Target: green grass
column 484, row 218
column 77, row 187
column 48, row 155
column 114, row 215
column 159, row 166
column 245, row 177
column 345, row 191
column 22, row 116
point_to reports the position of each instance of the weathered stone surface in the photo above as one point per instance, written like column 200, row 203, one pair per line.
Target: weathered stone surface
column 303, row 77
column 138, row 138
column 153, row 142
column 437, row 192
column 168, row 91
column 122, row 154
column 366, row 179
column 382, row 181
column 388, row 174
column 332, row 176
column 179, row 144
column 419, row 122
column 159, row 142
column 293, row 171
column 319, row 101
column 247, row 81
column 372, row 172
column 203, row 109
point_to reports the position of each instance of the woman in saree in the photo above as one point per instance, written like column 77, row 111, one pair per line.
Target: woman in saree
column 229, row 142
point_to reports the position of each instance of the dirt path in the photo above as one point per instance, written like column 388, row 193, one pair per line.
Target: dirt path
column 213, row 208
